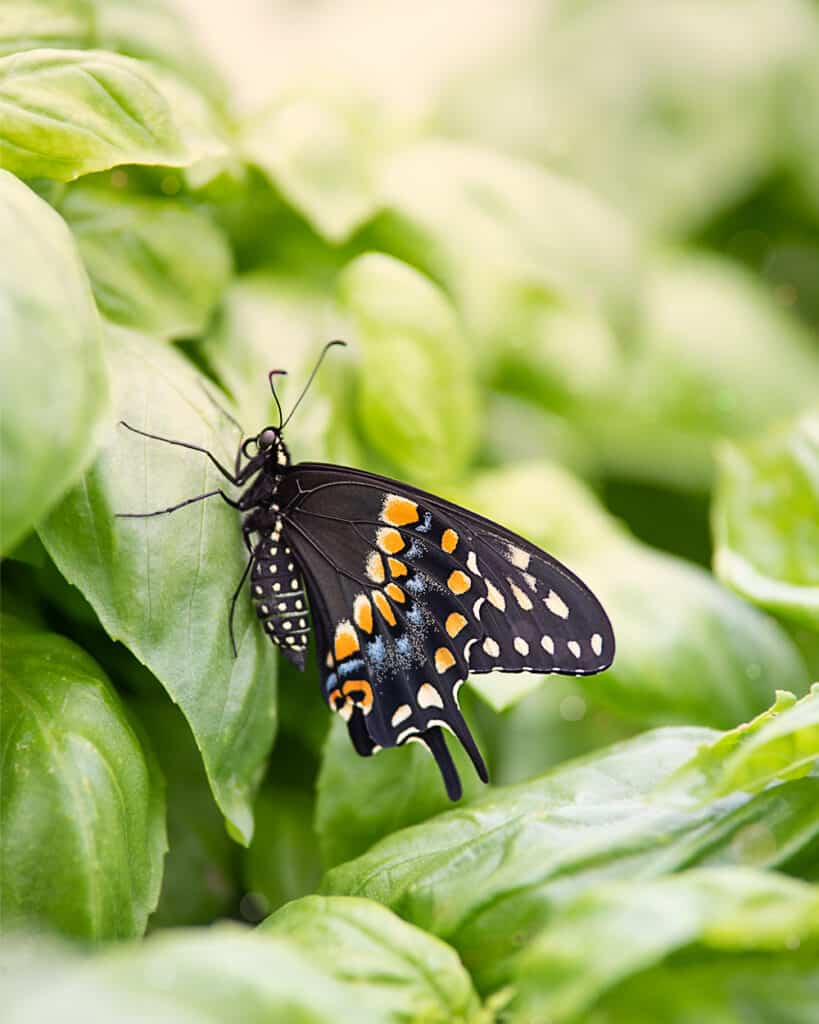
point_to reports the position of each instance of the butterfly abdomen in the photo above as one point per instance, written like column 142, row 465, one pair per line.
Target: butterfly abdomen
column 278, row 592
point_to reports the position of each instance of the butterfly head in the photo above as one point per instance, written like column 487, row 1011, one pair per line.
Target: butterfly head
column 271, row 446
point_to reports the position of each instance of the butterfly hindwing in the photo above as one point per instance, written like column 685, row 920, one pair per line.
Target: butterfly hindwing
column 410, row 593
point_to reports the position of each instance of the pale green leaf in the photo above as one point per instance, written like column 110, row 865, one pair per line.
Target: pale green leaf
column 163, row 585
column 72, row 112
column 621, row 930
column 418, row 402
column 766, row 520
column 34, row 24
column 51, row 361
column 157, row 265
column 399, row 971
column 82, row 809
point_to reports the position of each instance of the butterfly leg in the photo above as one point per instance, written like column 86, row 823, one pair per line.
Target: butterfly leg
column 235, row 598
column 184, row 444
column 181, row 504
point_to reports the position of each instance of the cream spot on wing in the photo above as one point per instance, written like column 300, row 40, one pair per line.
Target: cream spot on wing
column 455, row 690
column 491, row 647
column 521, row 646
column 518, row 557
column 375, row 567
column 520, row 596
column 547, row 643
column 402, row 736
column 468, row 646
column 476, row 607
column 556, row 605
column 428, row 697
column 472, row 563
column 531, row 582
column 574, row 647
column 597, row 644
column 401, row 714
column 444, row 659
column 495, row 596
column 346, row 709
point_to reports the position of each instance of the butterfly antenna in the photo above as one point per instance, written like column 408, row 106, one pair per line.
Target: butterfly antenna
column 270, row 377
column 306, row 388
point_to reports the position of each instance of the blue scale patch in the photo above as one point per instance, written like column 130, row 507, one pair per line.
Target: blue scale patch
column 347, row 668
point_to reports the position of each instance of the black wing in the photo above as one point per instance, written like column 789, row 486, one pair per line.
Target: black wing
column 410, row 593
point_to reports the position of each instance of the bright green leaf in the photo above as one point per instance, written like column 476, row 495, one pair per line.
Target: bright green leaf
column 488, row 877
column 766, row 520
column 417, row 397
column 72, row 112
column 361, row 800
column 82, row 815
column 51, row 361
column 156, row 265
column 195, row 976
column 400, row 971
column 619, row 930
column 163, row 585
column 781, row 743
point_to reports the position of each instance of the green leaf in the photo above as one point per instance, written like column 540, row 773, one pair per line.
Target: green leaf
column 282, row 863
column 511, row 243
column 52, row 352
column 34, row 24
column 617, row 931
column 781, row 743
column 417, row 397
column 714, row 356
column 766, row 520
column 72, row 112
column 195, row 976
column 82, row 816
column 488, row 877
column 157, row 265
column 199, row 884
column 361, row 800
column 163, row 585
column 400, row 971
column 326, row 153
column 687, row 649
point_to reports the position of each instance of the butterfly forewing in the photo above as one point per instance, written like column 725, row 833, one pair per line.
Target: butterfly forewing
column 411, row 593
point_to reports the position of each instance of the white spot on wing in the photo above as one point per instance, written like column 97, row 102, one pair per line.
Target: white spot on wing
column 428, row 697
column 521, row 646
column 476, row 607
column 547, row 644
column 574, row 647
column 490, row 646
column 518, row 557
column 597, row 644
column 401, row 714
column 472, row 563
column 556, row 605
column 495, row 596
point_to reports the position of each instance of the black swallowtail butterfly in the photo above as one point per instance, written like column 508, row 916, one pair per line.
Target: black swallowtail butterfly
column 408, row 593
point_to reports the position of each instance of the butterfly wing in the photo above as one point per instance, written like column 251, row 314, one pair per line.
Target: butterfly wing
column 410, row 594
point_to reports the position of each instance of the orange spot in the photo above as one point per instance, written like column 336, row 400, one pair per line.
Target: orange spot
column 335, row 696
column 444, row 659
column 346, row 640
column 399, row 511
column 375, row 568
column 363, row 613
column 455, row 623
column 389, row 540
column 395, row 592
column 359, row 692
column 397, row 567
column 458, row 582
column 383, row 605
column 449, row 541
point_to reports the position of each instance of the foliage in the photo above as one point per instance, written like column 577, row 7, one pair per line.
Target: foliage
column 576, row 258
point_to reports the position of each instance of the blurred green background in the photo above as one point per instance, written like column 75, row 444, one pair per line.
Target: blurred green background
column 574, row 249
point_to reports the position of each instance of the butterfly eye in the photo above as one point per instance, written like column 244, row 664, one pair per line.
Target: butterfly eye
column 267, row 438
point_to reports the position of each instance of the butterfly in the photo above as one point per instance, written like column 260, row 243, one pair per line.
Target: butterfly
column 406, row 594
